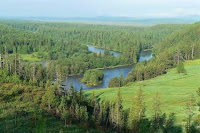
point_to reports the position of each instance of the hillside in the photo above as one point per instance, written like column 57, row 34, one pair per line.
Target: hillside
column 20, row 111
column 173, row 88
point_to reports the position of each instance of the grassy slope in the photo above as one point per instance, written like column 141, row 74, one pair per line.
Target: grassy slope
column 174, row 90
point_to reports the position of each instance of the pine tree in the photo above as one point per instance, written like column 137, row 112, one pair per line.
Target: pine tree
column 81, row 94
column 71, row 90
column 84, row 114
column 131, row 117
column 101, row 115
column 140, row 105
column 65, row 116
column 157, row 111
column 49, row 95
column 118, row 114
column 139, row 108
column 93, row 99
column 34, row 73
column 62, row 104
column 77, row 112
column 59, row 76
column 189, row 112
column 121, row 80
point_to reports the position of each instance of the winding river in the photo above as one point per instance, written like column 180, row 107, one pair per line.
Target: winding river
column 98, row 50
column 108, row 73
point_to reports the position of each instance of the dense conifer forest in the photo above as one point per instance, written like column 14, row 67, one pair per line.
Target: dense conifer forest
column 32, row 96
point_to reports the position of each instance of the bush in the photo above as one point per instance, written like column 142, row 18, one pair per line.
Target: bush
column 181, row 68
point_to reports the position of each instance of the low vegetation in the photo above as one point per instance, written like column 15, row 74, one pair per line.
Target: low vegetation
column 181, row 68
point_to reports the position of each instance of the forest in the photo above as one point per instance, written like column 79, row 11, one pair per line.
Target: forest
column 33, row 97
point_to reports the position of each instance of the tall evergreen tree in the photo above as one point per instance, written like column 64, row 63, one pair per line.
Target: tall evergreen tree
column 118, row 115
column 139, row 108
column 157, row 112
column 131, row 117
column 93, row 99
column 65, row 115
column 61, row 107
column 49, row 96
column 71, row 90
column 190, row 105
column 121, row 80
column 81, row 94
column 140, row 104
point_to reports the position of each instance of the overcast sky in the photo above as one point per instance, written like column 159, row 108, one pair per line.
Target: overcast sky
column 93, row 8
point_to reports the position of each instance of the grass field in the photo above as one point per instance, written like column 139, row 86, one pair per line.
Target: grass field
column 173, row 88
column 33, row 57
column 30, row 57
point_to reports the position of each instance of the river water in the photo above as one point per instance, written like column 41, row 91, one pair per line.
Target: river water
column 98, row 50
column 108, row 73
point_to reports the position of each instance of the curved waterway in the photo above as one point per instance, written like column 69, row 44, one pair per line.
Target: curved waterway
column 108, row 73
column 98, row 50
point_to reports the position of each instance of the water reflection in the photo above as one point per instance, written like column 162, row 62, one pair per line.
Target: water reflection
column 98, row 50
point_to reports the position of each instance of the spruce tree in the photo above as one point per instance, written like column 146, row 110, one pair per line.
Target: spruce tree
column 190, row 105
column 71, row 90
column 118, row 115
column 181, row 68
column 81, row 94
column 139, row 108
column 121, row 80
column 77, row 112
column 93, row 99
column 131, row 117
column 65, row 115
column 62, row 104
column 140, row 105
column 101, row 114
column 49, row 96
column 157, row 111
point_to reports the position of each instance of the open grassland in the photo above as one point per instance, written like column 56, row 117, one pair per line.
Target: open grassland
column 34, row 57
column 174, row 90
column 29, row 57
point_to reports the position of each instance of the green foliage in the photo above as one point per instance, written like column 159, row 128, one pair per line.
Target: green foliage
column 62, row 43
column 49, row 97
column 118, row 111
column 93, row 77
column 173, row 90
column 116, row 82
column 38, row 103
column 181, row 68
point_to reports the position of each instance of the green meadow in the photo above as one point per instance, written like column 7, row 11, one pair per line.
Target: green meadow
column 29, row 57
column 33, row 57
column 174, row 90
